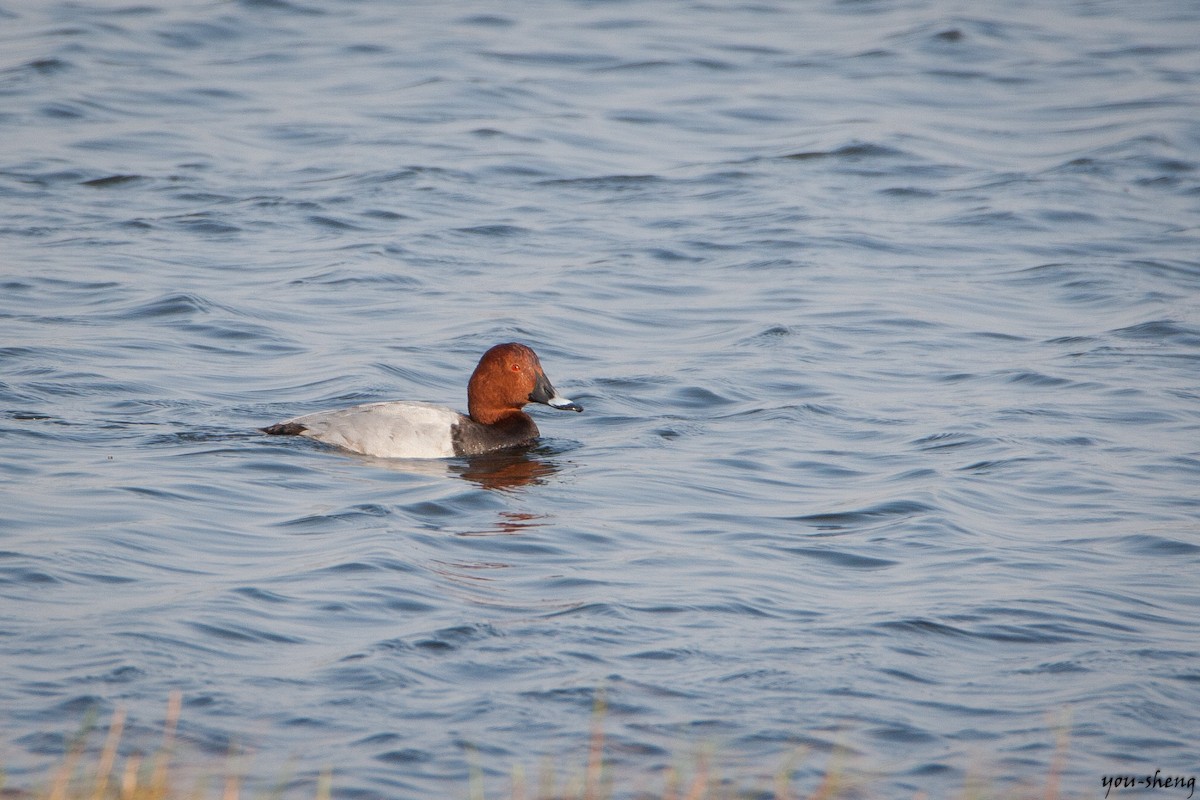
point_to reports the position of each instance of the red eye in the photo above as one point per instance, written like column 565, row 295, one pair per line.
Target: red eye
column 516, row 367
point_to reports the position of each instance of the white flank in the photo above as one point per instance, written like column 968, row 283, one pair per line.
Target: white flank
column 386, row 430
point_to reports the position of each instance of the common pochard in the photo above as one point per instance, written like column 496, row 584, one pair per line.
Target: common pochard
column 507, row 377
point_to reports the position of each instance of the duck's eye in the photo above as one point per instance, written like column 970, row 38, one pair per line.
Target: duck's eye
column 515, row 368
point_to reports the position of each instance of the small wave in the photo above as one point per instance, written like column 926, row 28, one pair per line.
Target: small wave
column 175, row 304
column 841, row 558
column 1163, row 332
column 242, row 633
column 857, row 151
column 494, row 230
column 1159, row 546
column 111, row 181
column 897, row 509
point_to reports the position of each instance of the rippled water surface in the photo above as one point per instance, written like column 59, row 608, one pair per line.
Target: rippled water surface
column 886, row 317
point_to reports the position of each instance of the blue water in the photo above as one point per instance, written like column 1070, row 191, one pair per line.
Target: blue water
column 886, row 317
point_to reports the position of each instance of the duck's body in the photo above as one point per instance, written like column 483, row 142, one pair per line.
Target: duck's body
column 507, row 377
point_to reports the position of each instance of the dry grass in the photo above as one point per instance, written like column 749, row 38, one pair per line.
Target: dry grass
column 138, row 778
column 703, row 780
column 153, row 778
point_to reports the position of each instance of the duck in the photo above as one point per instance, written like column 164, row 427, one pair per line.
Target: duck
column 507, row 377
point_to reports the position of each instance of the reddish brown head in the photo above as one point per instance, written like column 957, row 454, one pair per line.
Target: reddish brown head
column 508, row 377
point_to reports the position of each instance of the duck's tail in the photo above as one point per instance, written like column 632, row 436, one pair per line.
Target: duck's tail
column 285, row 429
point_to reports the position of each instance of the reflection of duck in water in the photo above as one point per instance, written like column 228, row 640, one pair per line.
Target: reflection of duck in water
column 507, row 377
column 502, row 470
column 506, row 471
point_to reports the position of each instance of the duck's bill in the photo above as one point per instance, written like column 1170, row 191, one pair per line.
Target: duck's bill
column 563, row 404
column 543, row 392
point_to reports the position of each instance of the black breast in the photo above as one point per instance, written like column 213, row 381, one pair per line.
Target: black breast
column 514, row 430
